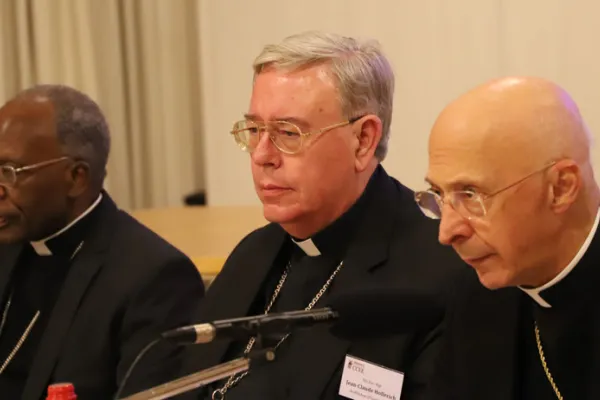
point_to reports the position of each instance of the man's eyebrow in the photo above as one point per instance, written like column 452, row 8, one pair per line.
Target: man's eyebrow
column 6, row 161
column 431, row 183
column 251, row 117
column 293, row 120
column 456, row 183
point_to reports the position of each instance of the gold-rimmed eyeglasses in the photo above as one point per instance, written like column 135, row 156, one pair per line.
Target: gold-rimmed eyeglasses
column 286, row 136
column 468, row 203
column 9, row 173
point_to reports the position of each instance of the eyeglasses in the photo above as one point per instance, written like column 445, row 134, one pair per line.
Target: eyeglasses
column 467, row 203
column 9, row 173
column 286, row 136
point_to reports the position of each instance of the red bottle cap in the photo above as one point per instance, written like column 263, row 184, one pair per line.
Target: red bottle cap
column 61, row 391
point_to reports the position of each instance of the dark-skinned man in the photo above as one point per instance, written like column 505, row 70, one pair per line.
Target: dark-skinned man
column 83, row 286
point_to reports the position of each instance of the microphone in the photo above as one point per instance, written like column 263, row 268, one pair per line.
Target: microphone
column 367, row 312
column 359, row 314
column 245, row 327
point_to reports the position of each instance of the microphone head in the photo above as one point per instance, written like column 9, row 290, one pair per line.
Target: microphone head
column 377, row 312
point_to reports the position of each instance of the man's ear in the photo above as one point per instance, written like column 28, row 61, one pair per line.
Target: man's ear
column 565, row 178
column 368, row 132
column 79, row 177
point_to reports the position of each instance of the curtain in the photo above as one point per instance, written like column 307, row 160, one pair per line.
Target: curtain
column 139, row 60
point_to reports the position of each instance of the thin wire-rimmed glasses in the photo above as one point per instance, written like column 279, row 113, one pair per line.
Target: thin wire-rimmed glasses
column 286, row 136
column 9, row 173
column 467, row 203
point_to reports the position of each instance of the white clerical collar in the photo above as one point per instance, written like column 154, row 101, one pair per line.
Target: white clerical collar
column 40, row 246
column 535, row 292
column 308, row 246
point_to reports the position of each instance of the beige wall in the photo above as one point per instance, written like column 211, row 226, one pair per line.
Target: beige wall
column 438, row 48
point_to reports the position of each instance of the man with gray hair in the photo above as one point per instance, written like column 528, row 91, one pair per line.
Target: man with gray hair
column 83, row 286
column 317, row 130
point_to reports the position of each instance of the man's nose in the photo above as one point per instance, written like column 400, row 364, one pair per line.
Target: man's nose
column 265, row 152
column 452, row 225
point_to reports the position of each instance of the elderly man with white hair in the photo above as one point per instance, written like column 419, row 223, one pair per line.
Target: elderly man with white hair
column 512, row 181
column 317, row 130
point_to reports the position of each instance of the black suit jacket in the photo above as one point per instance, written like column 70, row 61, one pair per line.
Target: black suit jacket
column 482, row 356
column 394, row 242
column 124, row 288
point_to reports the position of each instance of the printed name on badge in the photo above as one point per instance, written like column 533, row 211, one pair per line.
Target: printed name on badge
column 363, row 380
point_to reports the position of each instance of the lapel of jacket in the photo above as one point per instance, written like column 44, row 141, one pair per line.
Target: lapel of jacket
column 233, row 292
column 83, row 269
column 318, row 352
column 492, row 354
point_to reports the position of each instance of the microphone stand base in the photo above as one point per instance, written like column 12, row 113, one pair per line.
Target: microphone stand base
column 204, row 377
column 193, row 381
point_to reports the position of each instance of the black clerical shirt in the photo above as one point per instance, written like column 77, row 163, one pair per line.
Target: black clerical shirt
column 35, row 285
column 306, row 276
column 568, row 332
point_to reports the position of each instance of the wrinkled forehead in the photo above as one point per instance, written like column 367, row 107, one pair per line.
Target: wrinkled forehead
column 475, row 153
column 456, row 163
column 30, row 114
column 307, row 93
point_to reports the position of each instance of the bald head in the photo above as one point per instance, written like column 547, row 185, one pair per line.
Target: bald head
column 515, row 155
column 521, row 121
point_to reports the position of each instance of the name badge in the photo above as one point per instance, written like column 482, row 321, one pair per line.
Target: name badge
column 362, row 380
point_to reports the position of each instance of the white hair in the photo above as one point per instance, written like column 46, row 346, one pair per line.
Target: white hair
column 364, row 77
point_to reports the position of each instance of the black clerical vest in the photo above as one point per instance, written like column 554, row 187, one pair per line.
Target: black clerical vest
column 34, row 287
column 306, row 276
column 569, row 332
